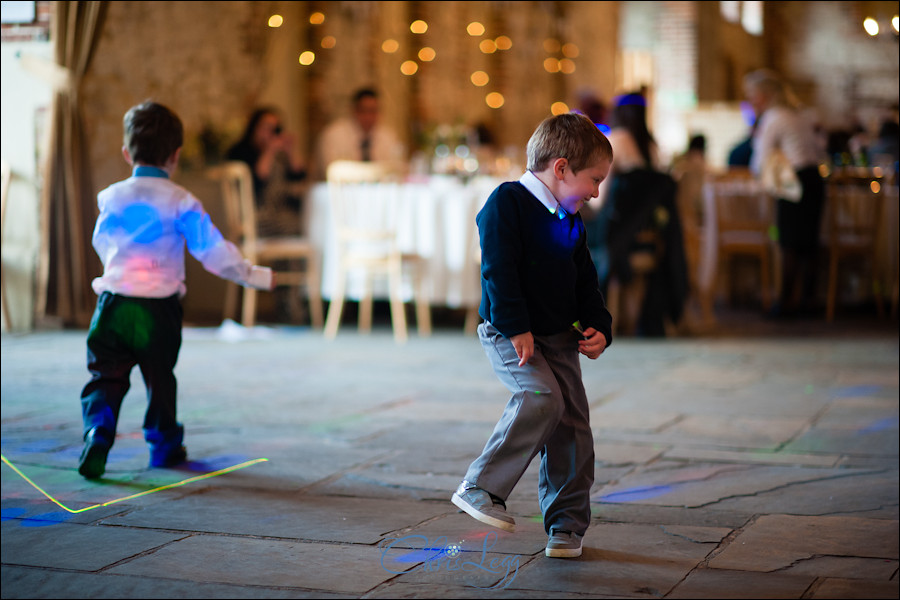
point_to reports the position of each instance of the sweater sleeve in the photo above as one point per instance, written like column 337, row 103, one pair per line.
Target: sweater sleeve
column 501, row 253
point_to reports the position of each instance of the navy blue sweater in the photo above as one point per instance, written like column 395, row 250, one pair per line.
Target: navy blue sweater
column 536, row 271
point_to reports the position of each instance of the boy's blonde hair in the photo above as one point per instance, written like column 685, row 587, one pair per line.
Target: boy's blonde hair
column 571, row 136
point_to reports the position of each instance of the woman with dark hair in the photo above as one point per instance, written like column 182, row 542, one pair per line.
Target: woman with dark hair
column 636, row 197
column 279, row 173
column 276, row 163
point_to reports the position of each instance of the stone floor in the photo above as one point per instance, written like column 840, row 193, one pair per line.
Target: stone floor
column 757, row 461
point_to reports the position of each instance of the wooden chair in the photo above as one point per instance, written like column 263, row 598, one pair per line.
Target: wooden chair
column 854, row 209
column 690, row 208
column 366, row 236
column 240, row 206
column 739, row 215
column 624, row 301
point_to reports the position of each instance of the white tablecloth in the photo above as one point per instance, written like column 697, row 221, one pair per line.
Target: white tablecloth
column 436, row 221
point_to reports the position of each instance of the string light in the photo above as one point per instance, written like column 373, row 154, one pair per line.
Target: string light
column 871, row 26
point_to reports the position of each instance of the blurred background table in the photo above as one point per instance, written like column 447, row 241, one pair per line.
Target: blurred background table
column 436, row 220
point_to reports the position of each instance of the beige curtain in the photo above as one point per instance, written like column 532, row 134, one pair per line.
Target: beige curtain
column 68, row 201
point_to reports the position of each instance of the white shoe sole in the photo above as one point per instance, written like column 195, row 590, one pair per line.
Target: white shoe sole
column 563, row 552
column 487, row 519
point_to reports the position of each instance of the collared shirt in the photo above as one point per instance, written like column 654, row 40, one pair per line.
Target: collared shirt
column 540, row 191
column 342, row 140
column 144, row 225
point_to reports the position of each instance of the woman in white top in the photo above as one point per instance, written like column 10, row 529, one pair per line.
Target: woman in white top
column 781, row 127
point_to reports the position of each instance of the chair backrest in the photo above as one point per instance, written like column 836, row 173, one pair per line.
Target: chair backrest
column 854, row 210
column 740, row 202
column 364, row 215
column 236, row 180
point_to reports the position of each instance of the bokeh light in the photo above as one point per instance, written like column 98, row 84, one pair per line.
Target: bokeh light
column 480, row 78
column 503, row 43
column 551, row 65
column 276, row 21
column 329, row 41
column 494, row 99
column 316, row 18
column 559, row 108
column 570, row 50
column 307, row 58
column 487, row 46
column 409, row 67
column 871, row 26
column 390, row 46
column 418, row 26
column 475, row 29
column 567, row 66
column 427, row 54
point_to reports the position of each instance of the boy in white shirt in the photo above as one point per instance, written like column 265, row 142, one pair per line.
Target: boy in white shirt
column 144, row 224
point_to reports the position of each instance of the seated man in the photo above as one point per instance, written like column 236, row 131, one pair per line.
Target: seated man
column 360, row 136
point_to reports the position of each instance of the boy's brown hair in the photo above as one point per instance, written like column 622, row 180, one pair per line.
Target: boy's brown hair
column 571, row 136
column 152, row 133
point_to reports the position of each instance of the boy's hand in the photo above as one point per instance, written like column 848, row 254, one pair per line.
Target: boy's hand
column 593, row 344
column 524, row 345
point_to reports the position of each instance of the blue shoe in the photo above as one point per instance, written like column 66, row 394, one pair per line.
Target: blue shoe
column 172, row 459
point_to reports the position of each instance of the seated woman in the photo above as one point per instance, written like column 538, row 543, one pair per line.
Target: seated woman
column 278, row 168
column 638, row 196
column 279, row 173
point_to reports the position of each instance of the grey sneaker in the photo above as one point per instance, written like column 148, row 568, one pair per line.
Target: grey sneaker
column 479, row 504
column 563, row 544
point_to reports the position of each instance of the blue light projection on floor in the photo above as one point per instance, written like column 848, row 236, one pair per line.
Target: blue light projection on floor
column 881, row 425
column 634, row 494
column 855, row 390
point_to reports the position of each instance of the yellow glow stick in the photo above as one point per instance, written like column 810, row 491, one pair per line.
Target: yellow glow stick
column 138, row 495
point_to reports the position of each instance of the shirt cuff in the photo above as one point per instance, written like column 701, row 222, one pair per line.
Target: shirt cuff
column 260, row 278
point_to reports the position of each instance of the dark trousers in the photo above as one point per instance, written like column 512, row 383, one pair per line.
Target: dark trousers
column 126, row 332
column 547, row 414
column 799, row 224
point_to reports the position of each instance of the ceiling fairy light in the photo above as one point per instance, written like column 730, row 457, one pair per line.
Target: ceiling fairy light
column 871, row 26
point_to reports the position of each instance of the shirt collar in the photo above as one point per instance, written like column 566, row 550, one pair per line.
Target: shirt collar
column 540, row 191
column 148, row 171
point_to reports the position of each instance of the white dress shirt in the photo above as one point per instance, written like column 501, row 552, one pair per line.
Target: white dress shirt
column 144, row 224
column 342, row 140
column 540, row 191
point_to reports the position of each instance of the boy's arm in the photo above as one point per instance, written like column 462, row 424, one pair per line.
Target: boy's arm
column 217, row 255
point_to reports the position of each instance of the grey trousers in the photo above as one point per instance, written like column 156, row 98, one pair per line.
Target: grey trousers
column 547, row 414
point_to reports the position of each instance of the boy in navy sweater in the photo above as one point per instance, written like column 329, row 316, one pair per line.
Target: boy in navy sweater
column 542, row 306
